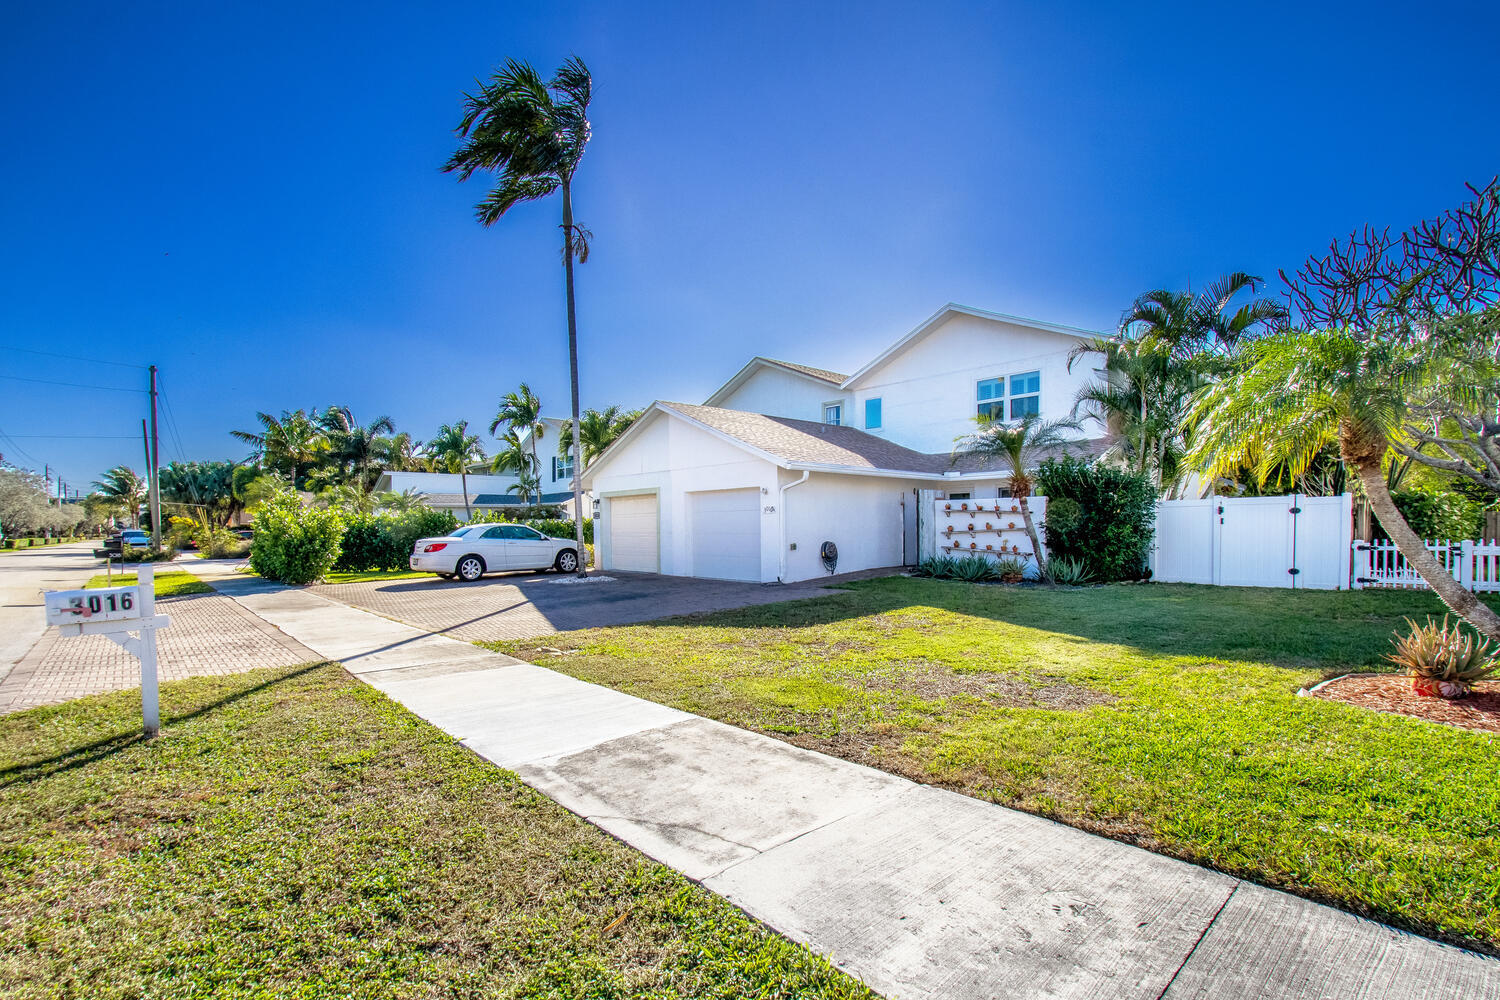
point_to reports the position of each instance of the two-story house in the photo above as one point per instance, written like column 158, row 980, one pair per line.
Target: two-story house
column 784, row 458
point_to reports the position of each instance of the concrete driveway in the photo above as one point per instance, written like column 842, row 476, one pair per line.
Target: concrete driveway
column 528, row 605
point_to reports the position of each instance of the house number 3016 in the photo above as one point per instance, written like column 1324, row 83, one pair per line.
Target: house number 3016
column 769, row 509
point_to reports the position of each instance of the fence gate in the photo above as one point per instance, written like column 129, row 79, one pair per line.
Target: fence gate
column 1285, row 541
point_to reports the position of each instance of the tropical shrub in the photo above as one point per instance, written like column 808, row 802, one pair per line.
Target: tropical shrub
column 293, row 543
column 1439, row 513
column 133, row 554
column 974, row 569
column 385, row 541
column 221, row 543
column 1010, row 569
column 1068, row 571
column 1444, row 661
column 1117, row 516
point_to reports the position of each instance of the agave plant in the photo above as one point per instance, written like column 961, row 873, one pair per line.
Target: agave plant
column 974, row 569
column 1444, row 661
column 1068, row 571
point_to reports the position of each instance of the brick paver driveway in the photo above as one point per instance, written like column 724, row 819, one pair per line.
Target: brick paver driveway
column 210, row 634
column 526, row 605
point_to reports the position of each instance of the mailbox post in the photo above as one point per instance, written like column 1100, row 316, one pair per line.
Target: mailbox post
column 116, row 613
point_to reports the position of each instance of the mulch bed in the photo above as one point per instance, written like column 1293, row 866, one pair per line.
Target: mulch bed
column 1392, row 693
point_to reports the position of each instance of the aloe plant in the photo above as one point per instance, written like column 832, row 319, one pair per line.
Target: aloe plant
column 1444, row 661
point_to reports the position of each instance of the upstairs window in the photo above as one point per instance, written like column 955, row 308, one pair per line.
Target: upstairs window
column 872, row 414
column 562, row 468
column 1025, row 395
column 1011, row 397
column 833, row 413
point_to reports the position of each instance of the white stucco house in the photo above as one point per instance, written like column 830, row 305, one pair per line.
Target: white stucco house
column 487, row 490
column 784, row 457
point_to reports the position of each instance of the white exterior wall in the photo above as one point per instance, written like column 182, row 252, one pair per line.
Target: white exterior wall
column 449, row 482
column 779, row 393
column 671, row 459
column 862, row 515
column 928, row 392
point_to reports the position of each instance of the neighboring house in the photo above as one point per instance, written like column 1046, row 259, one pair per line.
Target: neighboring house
column 487, row 490
column 785, row 457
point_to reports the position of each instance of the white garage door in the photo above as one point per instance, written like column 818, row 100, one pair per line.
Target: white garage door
column 725, row 531
column 633, row 534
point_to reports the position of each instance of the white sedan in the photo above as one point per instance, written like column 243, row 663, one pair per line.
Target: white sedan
column 476, row 549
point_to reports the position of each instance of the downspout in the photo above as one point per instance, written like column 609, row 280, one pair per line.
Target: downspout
column 781, row 565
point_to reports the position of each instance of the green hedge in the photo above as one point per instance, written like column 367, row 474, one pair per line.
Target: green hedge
column 385, row 541
column 293, row 543
column 1438, row 514
column 556, row 527
column 1111, row 528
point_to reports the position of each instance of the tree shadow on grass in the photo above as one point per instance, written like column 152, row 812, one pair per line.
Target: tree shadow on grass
column 100, row 749
column 1329, row 631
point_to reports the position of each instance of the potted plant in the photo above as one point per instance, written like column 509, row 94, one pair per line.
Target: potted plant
column 1444, row 662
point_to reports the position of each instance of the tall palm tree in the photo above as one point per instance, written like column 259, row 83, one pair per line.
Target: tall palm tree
column 291, row 443
column 599, row 429
column 453, row 449
column 1141, row 397
column 1203, row 326
column 123, row 490
column 1298, row 391
column 403, row 453
column 521, row 412
column 1022, row 445
column 532, row 134
column 513, row 456
column 358, row 449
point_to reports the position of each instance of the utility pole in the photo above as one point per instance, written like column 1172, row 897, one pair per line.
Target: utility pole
column 135, row 515
column 155, row 462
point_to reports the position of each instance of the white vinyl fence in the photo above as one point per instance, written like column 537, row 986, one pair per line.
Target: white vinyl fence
column 1476, row 565
column 1286, row 541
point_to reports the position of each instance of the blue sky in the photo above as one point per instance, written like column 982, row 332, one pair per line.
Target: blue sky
column 249, row 197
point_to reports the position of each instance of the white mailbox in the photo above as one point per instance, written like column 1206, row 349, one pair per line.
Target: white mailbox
column 125, row 616
column 112, row 604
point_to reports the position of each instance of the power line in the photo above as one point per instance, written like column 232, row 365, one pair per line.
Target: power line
column 75, row 437
column 74, row 385
column 74, row 357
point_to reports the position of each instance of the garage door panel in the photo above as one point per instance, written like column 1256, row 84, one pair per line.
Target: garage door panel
column 725, row 534
column 634, row 533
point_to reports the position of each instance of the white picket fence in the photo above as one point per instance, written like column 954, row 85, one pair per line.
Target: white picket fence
column 1476, row 565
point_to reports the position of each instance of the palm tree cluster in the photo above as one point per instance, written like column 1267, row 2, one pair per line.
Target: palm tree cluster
column 317, row 450
column 1170, row 345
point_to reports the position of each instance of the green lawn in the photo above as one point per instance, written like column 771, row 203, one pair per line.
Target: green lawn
column 295, row 834
column 174, row 583
column 1163, row 715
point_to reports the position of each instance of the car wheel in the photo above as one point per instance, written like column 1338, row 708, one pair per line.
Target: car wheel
column 566, row 562
column 470, row 568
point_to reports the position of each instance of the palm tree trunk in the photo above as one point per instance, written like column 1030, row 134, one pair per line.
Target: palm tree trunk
column 1452, row 593
column 567, row 193
column 463, row 474
column 1036, row 544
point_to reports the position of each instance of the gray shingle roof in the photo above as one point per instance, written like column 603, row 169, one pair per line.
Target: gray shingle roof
column 823, row 373
column 807, row 442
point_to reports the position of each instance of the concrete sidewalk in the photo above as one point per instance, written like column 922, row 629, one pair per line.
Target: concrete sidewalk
column 917, row 891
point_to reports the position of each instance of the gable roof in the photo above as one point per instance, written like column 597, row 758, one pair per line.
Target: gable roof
column 807, row 444
column 952, row 309
column 822, row 375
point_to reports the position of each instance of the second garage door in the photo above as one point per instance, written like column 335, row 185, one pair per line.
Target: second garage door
column 633, row 534
column 724, row 526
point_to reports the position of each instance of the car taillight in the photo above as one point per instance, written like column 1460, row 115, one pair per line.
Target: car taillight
column 436, row 547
